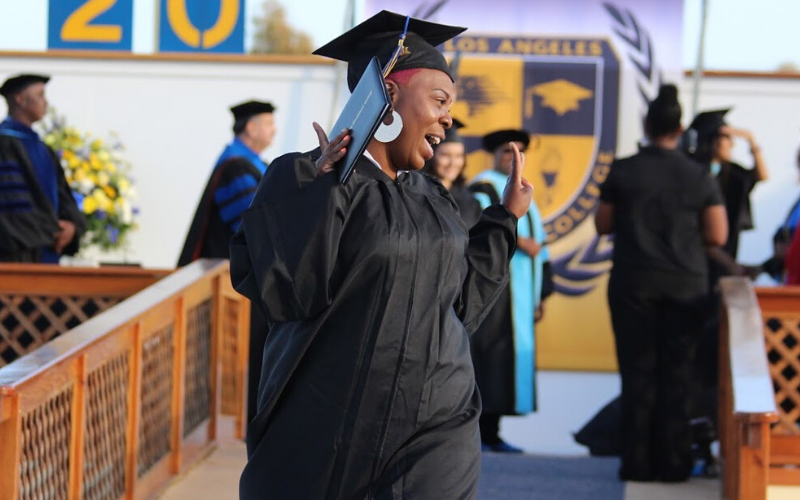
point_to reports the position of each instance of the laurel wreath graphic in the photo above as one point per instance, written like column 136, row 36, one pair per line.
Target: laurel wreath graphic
column 427, row 9
column 575, row 272
column 640, row 51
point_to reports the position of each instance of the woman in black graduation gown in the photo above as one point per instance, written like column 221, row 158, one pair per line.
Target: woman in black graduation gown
column 447, row 165
column 713, row 147
column 664, row 211
column 372, row 288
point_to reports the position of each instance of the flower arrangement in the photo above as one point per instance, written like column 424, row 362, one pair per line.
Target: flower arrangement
column 98, row 175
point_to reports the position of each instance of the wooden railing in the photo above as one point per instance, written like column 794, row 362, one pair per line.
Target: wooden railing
column 780, row 311
column 759, row 395
column 117, row 406
column 747, row 407
column 39, row 302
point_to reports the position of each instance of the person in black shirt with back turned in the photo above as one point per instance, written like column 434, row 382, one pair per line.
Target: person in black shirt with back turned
column 664, row 210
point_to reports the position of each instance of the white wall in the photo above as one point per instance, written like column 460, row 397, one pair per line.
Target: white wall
column 174, row 121
column 173, row 117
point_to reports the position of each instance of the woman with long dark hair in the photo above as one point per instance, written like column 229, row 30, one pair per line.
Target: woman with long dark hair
column 664, row 210
column 447, row 165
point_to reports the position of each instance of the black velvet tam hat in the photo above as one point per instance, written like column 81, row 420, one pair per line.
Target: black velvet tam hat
column 251, row 108
column 451, row 134
column 18, row 83
column 378, row 37
column 496, row 139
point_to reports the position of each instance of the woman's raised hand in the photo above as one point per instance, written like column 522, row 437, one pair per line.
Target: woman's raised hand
column 332, row 151
column 518, row 192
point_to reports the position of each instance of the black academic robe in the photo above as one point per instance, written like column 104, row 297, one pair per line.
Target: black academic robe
column 28, row 220
column 468, row 206
column 736, row 184
column 228, row 193
column 372, row 289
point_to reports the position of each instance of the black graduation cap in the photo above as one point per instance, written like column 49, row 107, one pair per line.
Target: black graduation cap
column 251, row 108
column 18, row 83
column 496, row 139
column 708, row 123
column 378, row 37
column 451, row 134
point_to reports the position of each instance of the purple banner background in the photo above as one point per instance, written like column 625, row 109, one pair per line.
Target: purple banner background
column 661, row 19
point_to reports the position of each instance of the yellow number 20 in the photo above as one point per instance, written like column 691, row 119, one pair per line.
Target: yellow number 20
column 77, row 28
column 184, row 29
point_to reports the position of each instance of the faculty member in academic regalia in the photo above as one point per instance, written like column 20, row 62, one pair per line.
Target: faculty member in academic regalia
column 232, row 184
column 229, row 192
column 39, row 218
column 504, row 347
column 447, row 165
column 372, row 289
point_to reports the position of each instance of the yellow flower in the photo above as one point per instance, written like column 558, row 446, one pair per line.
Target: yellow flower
column 68, row 155
column 73, row 161
column 97, row 144
column 103, row 155
column 80, row 175
column 94, row 161
column 102, row 179
column 110, row 166
column 123, row 185
column 103, row 203
column 89, row 205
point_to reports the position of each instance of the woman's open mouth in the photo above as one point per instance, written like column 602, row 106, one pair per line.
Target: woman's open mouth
column 433, row 140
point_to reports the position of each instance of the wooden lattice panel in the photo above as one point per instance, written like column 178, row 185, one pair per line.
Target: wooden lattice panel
column 197, row 396
column 44, row 465
column 156, row 400
column 27, row 322
column 782, row 334
column 232, row 385
column 105, row 447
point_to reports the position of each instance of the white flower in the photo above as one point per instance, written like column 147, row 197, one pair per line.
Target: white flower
column 126, row 212
column 86, row 186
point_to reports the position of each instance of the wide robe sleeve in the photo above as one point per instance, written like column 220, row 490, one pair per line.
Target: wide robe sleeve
column 492, row 242
column 284, row 252
column 235, row 189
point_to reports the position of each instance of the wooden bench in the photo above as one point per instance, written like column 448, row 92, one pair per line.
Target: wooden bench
column 117, row 406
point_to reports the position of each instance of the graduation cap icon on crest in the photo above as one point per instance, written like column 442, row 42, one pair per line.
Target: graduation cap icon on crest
column 562, row 96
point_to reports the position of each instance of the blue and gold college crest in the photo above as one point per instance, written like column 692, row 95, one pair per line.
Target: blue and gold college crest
column 565, row 92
